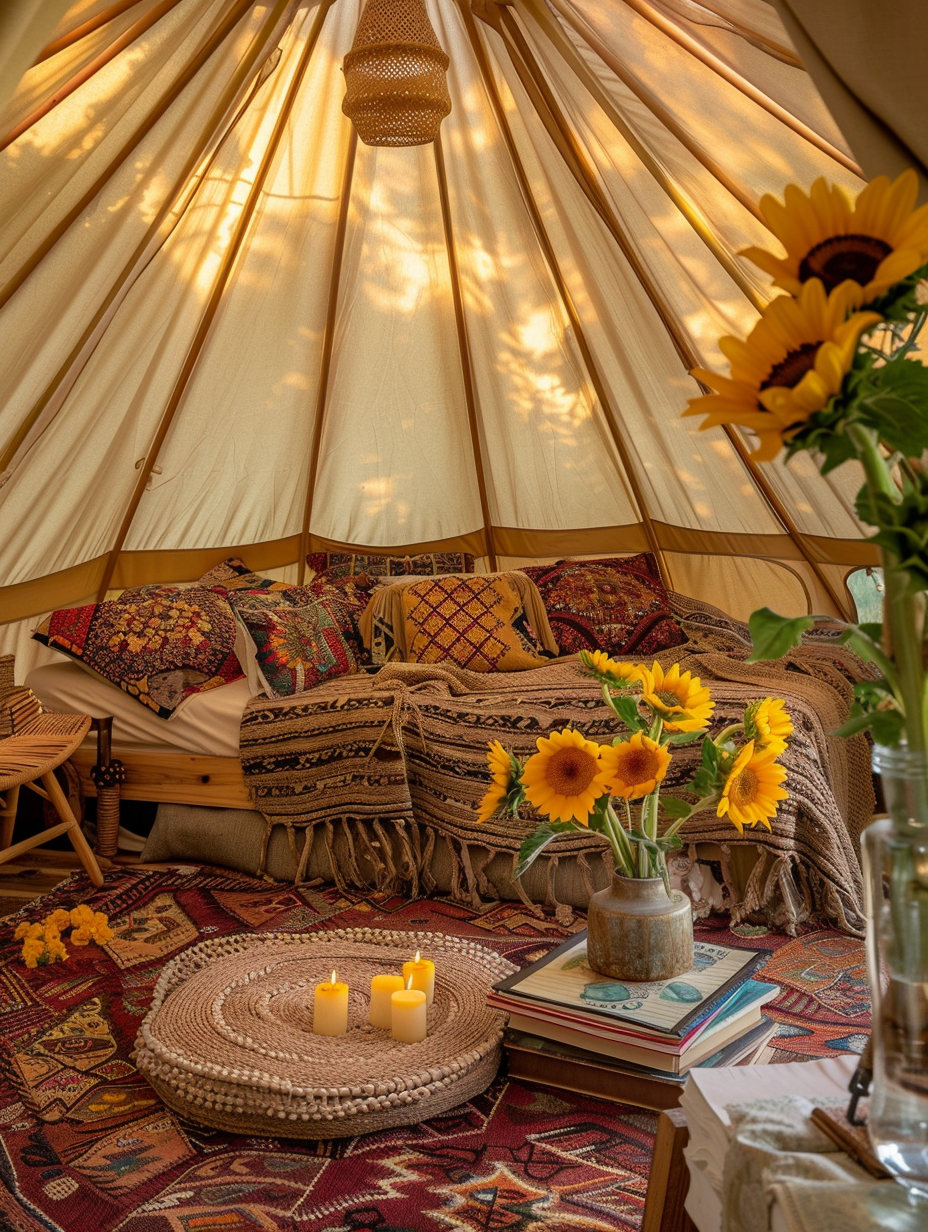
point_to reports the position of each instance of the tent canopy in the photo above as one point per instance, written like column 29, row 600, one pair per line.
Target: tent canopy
column 228, row 326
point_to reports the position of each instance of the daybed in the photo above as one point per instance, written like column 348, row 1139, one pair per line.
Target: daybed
column 373, row 777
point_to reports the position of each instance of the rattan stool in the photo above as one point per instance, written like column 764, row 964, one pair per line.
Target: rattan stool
column 39, row 743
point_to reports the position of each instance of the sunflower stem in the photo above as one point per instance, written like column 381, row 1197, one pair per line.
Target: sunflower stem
column 726, row 732
column 619, row 841
column 902, row 617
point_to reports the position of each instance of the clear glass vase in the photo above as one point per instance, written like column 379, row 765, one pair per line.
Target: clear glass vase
column 896, row 897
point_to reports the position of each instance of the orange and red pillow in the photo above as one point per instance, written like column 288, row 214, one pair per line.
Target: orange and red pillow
column 617, row 604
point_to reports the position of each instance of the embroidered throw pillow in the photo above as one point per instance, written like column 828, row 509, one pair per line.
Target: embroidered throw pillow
column 478, row 622
column 617, row 604
column 234, row 574
column 343, row 564
column 297, row 647
column 160, row 649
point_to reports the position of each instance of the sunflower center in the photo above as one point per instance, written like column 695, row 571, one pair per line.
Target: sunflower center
column 844, row 256
column 571, row 771
column 744, row 788
column 790, row 370
column 638, row 765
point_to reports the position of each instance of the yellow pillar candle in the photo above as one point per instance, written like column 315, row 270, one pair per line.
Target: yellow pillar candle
column 422, row 973
column 330, row 1008
column 382, row 989
column 409, row 1015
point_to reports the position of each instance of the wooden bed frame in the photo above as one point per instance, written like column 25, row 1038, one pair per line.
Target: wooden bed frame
column 174, row 778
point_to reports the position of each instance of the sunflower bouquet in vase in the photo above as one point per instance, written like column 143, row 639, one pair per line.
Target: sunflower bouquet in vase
column 832, row 368
column 639, row 928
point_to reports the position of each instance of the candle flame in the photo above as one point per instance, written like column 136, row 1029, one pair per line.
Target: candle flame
column 409, row 983
column 417, row 956
column 333, row 977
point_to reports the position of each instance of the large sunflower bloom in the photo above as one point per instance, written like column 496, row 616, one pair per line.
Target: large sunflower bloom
column 680, row 698
column 876, row 242
column 770, row 724
column 610, row 670
column 752, row 789
column 790, row 365
column 635, row 766
column 565, row 778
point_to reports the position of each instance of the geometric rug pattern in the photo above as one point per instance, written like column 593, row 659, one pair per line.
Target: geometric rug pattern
column 86, row 1146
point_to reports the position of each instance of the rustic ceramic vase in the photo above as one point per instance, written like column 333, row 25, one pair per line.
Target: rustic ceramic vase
column 635, row 932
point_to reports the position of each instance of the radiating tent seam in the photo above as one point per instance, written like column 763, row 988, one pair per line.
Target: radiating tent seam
column 683, row 203
column 711, row 60
column 222, row 277
column 140, row 255
column 103, row 18
column 328, row 342
column 591, row 366
column 125, row 40
column 470, row 395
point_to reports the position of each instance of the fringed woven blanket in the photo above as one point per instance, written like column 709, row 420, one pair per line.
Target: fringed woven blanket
column 389, row 766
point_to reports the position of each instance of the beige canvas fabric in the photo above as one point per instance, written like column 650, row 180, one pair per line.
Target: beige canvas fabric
column 227, row 326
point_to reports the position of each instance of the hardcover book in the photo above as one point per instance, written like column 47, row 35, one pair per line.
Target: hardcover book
column 564, row 979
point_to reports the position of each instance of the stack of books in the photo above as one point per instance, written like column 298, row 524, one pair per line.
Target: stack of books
column 572, row 1028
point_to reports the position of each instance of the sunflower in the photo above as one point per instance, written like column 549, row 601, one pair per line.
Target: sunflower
column 565, row 778
column 791, row 364
column 635, row 766
column 610, row 670
column 769, row 724
column 876, row 242
column 752, row 788
column 499, row 762
column 678, row 697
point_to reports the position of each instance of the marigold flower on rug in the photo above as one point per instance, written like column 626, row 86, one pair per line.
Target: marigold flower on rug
column 752, row 789
column 877, row 241
column 791, row 364
column 565, row 778
column 635, row 766
column 680, row 698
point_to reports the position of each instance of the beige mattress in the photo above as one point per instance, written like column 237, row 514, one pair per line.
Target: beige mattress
column 206, row 723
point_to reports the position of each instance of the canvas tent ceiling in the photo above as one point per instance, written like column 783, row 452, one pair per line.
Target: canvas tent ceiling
column 229, row 326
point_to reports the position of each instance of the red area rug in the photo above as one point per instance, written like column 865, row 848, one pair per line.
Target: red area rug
column 85, row 1145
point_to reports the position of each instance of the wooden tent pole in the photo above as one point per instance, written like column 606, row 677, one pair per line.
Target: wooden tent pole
column 467, row 369
column 328, row 343
column 691, row 212
column 629, row 477
column 103, row 18
column 243, row 71
column 724, row 70
column 579, row 166
column 222, row 277
column 134, row 32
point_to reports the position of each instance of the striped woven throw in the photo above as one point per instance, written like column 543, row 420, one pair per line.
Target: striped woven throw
column 397, row 763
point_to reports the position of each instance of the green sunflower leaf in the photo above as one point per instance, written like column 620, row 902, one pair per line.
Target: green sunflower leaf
column 897, row 407
column 774, row 636
column 675, row 808
column 537, row 841
column 686, row 737
column 627, row 710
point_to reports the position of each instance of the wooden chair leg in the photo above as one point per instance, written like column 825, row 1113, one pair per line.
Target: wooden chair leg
column 669, row 1179
column 8, row 816
column 75, row 833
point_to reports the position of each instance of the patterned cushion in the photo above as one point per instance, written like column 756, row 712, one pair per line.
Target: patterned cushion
column 298, row 646
column 160, row 650
column 618, row 605
column 477, row 622
column 342, row 564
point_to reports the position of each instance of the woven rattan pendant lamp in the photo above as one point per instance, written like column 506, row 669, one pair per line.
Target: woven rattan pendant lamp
column 395, row 73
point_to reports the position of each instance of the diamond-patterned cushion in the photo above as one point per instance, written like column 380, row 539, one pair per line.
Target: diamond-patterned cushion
column 477, row 622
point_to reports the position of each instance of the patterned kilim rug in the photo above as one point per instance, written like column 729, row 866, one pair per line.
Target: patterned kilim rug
column 85, row 1146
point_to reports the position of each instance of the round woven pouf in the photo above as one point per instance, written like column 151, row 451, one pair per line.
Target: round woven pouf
column 228, row 1041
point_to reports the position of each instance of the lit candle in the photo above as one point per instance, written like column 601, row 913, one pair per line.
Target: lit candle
column 422, row 974
column 382, row 989
column 409, row 1012
column 330, row 1008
